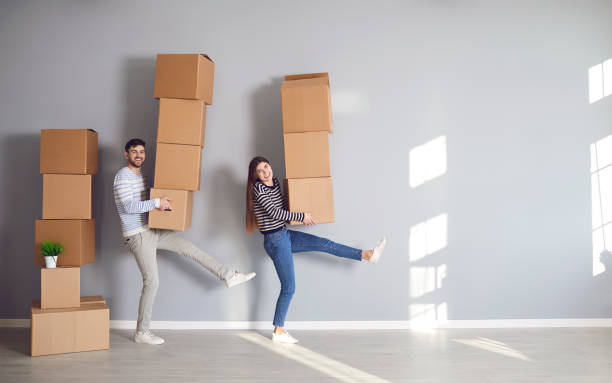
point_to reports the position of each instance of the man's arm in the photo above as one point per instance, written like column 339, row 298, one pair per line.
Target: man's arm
column 124, row 190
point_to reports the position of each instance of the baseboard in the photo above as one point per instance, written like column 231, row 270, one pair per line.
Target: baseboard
column 349, row 325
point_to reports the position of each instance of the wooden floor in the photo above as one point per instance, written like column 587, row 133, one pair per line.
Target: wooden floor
column 491, row 355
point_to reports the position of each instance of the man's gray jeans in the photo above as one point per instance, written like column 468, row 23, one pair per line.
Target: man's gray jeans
column 144, row 246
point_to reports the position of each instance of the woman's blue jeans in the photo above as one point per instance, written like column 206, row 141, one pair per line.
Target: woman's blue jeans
column 281, row 245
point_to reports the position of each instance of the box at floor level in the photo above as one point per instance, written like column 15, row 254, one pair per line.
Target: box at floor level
column 311, row 195
column 67, row 196
column 188, row 76
column 177, row 167
column 179, row 218
column 181, row 121
column 58, row 331
column 306, row 103
column 68, row 151
column 77, row 236
column 60, row 288
column 307, row 155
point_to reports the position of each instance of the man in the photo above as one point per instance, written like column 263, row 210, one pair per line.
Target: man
column 133, row 206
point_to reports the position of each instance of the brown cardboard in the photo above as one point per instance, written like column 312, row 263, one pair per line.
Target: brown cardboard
column 92, row 299
column 68, row 151
column 179, row 218
column 178, row 167
column 188, row 76
column 311, row 195
column 58, row 331
column 181, row 121
column 83, row 299
column 77, row 236
column 67, row 196
column 307, row 155
column 60, row 287
column 306, row 103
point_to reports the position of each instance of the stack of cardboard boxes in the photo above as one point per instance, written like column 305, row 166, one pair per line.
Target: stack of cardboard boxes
column 306, row 109
column 63, row 321
column 183, row 85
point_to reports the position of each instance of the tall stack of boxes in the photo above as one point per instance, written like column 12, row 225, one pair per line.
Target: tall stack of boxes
column 62, row 321
column 183, row 85
column 306, row 109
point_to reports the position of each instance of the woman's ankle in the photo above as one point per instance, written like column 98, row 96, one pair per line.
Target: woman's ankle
column 366, row 254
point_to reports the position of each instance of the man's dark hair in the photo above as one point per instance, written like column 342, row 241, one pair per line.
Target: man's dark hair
column 134, row 142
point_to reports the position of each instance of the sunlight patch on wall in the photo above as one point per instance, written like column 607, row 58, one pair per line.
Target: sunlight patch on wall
column 428, row 237
column 601, row 200
column 427, row 161
column 600, row 81
column 425, row 280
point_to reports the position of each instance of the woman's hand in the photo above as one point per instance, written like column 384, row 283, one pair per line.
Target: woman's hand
column 308, row 220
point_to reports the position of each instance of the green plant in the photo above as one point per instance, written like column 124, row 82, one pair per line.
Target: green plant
column 51, row 249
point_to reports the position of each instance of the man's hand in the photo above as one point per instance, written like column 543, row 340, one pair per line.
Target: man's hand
column 308, row 220
column 164, row 204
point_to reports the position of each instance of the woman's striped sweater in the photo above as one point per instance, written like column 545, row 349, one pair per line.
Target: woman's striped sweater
column 269, row 208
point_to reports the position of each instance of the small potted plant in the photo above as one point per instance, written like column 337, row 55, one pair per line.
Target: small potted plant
column 51, row 250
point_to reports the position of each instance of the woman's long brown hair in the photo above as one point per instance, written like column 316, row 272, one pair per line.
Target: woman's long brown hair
column 251, row 220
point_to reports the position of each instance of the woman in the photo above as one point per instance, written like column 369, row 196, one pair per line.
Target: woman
column 265, row 210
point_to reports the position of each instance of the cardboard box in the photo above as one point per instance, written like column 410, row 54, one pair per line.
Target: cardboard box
column 179, row 218
column 311, row 195
column 68, row 151
column 178, row 167
column 181, row 121
column 306, row 103
column 60, row 288
column 67, row 196
column 189, row 76
column 78, row 237
column 307, row 155
column 58, row 331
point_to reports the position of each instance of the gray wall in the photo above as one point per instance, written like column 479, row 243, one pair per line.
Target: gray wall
column 504, row 81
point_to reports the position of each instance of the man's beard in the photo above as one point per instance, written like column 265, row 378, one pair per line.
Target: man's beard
column 135, row 164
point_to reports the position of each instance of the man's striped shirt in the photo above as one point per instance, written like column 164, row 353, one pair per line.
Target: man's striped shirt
column 131, row 195
column 269, row 208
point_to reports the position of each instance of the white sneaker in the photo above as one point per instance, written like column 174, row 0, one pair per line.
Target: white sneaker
column 378, row 250
column 238, row 278
column 283, row 338
column 147, row 337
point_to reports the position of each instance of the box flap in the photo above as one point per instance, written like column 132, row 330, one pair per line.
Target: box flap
column 84, row 300
column 92, row 299
column 207, row 56
column 170, row 54
column 304, row 82
column 305, row 76
column 35, row 309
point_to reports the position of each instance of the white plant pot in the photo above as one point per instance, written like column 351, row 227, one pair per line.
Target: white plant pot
column 51, row 262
